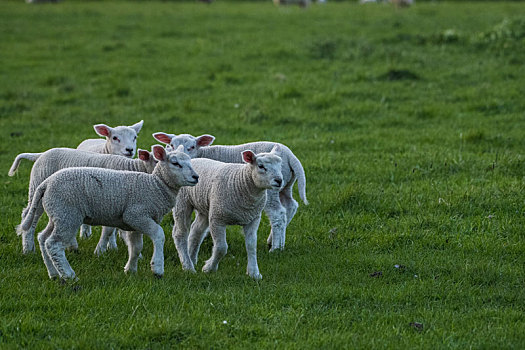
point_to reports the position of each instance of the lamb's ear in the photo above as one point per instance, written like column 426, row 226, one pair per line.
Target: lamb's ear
column 103, row 130
column 163, row 137
column 249, row 157
column 276, row 150
column 159, row 153
column 137, row 126
column 144, row 155
column 205, row 140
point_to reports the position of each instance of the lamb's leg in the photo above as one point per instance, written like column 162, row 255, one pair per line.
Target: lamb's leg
column 42, row 237
column 181, row 226
column 103, row 242
column 112, row 244
column 277, row 215
column 134, row 243
column 288, row 203
column 85, row 231
column 198, row 231
column 153, row 230
column 55, row 246
column 28, row 237
column 220, row 247
column 250, row 237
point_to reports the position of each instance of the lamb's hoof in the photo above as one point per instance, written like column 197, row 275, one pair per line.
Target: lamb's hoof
column 112, row 246
column 270, row 246
column 68, row 280
column 207, row 268
column 99, row 251
column 158, row 276
column 257, row 276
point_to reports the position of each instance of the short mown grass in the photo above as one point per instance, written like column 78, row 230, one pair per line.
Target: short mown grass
column 409, row 124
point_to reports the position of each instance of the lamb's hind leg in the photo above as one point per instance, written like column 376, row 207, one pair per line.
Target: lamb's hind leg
column 277, row 215
column 103, row 242
column 57, row 242
column 220, row 247
column 198, row 231
column 85, row 231
column 134, row 243
column 42, row 237
column 28, row 237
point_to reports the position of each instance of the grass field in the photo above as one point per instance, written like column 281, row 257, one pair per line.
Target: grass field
column 409, row 124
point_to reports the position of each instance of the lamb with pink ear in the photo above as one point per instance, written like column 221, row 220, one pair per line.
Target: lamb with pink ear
column 131, row 201
column 121, row 141
column 49, row 162
column 227, row 194
column 280, row 206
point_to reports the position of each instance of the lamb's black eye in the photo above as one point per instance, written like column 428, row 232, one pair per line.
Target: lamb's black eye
column 262, row 167
column 177, row 164
column 116, row 138
column 135, row 138
column 192, row 147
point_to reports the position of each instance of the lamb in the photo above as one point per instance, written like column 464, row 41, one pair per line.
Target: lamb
column 227, row 194
column 50, row 161
column 121, row 140
column 131, row 201
column 281, row 206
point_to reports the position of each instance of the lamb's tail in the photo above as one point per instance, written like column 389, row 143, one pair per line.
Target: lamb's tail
column 35, row 203
column 29, row 156
column 297, row 168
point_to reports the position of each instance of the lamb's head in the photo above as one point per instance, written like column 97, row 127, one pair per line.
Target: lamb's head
column 265, row 168
column 174, row 167
column 149, row 160
column 120, row 140
column 190, row 143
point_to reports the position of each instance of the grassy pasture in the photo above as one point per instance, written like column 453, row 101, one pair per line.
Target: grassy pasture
column 409, row 124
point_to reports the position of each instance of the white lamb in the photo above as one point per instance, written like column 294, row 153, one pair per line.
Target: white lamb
column 120, row 140
column 131, row 201
column 55, row 159
column 281, row 206
column 227, row 194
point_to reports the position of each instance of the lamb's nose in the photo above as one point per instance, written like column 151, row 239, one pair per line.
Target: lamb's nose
column 130, row 150
column 279, row 181
column 196, row 177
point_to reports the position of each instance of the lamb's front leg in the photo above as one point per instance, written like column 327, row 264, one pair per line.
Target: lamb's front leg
column 182, row 220
column 250, row 237
column 220, row 247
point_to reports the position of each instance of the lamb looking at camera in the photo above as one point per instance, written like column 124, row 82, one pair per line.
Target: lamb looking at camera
column 131, row 201
column 120, row 140
column 281, row 206
column 227, row 194
column 55, row 159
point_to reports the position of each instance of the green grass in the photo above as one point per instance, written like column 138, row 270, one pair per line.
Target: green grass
column 409, row 125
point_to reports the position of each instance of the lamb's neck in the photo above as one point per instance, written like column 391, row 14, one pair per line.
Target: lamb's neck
column 243, row 184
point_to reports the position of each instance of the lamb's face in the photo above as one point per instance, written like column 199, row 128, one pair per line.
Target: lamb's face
column 190, row 143
column 121, row 140
column 266, row 170
column 179, row 166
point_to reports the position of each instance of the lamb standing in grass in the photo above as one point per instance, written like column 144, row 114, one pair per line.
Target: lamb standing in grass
column 281, row 206
column 227, row 194
column 131, row 201
column 120, row 140
column 55, row 159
